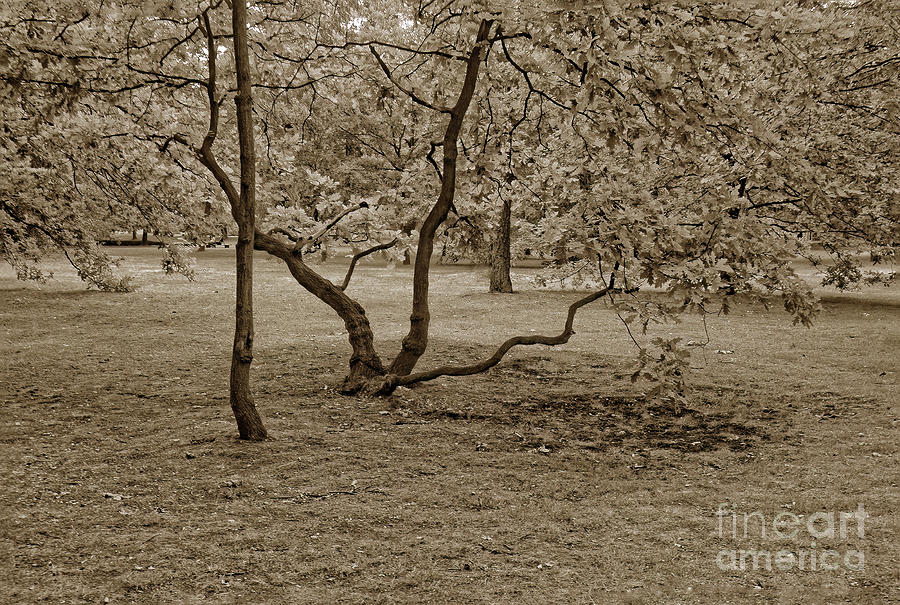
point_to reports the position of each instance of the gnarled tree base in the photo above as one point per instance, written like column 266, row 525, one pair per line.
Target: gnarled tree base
column 361, row 379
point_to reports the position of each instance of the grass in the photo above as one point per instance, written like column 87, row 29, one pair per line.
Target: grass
column 547, row 480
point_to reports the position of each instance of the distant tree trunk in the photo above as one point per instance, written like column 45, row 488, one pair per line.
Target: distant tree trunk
column 560, row 253
column 144, row 237
column 500, row 253
column 416, row 339
column 249, row 423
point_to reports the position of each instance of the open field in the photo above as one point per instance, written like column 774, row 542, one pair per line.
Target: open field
column 547, row 480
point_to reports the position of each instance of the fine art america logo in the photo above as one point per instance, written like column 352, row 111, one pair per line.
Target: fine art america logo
column 821, row 533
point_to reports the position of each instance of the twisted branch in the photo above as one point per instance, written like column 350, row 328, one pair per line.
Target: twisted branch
column 393, row 381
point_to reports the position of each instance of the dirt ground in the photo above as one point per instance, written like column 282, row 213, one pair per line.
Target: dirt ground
column 550, row 479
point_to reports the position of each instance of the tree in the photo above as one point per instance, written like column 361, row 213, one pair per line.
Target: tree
column 650, row 143
column 59, row 69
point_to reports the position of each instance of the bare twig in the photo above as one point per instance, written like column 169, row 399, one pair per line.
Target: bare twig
column 408, row 92
column 360, row 255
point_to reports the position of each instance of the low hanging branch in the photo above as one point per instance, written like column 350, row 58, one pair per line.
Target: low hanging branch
column 360, row 255
column 392, row 381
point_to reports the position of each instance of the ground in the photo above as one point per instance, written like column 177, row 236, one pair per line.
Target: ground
column 549, row 479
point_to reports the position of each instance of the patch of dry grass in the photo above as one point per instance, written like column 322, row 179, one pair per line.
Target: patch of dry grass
column 549, row 479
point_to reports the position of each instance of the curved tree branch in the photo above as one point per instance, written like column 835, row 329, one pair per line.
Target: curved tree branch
column 360, row 255
column 204, row 152
column 392, row 381
column 407, row 91
column 416, row 340
column 364, row 362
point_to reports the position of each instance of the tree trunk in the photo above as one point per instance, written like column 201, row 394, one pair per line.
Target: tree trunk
column 561, row 253
column 500, row 253
column 364, row 362
column 416, row 340
column 144, row 237
column 249, row 423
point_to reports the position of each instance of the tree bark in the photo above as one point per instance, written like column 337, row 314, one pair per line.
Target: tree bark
column 249, row 423
column 500, row 252
column 364, row 362
column 242, row 201
column 416, row 340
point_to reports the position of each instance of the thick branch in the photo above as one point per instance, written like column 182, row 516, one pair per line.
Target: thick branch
column 364, row 362
column 393, row 381
column 362, row 254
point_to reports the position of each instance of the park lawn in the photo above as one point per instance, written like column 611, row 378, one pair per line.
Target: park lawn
column 550, row 479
